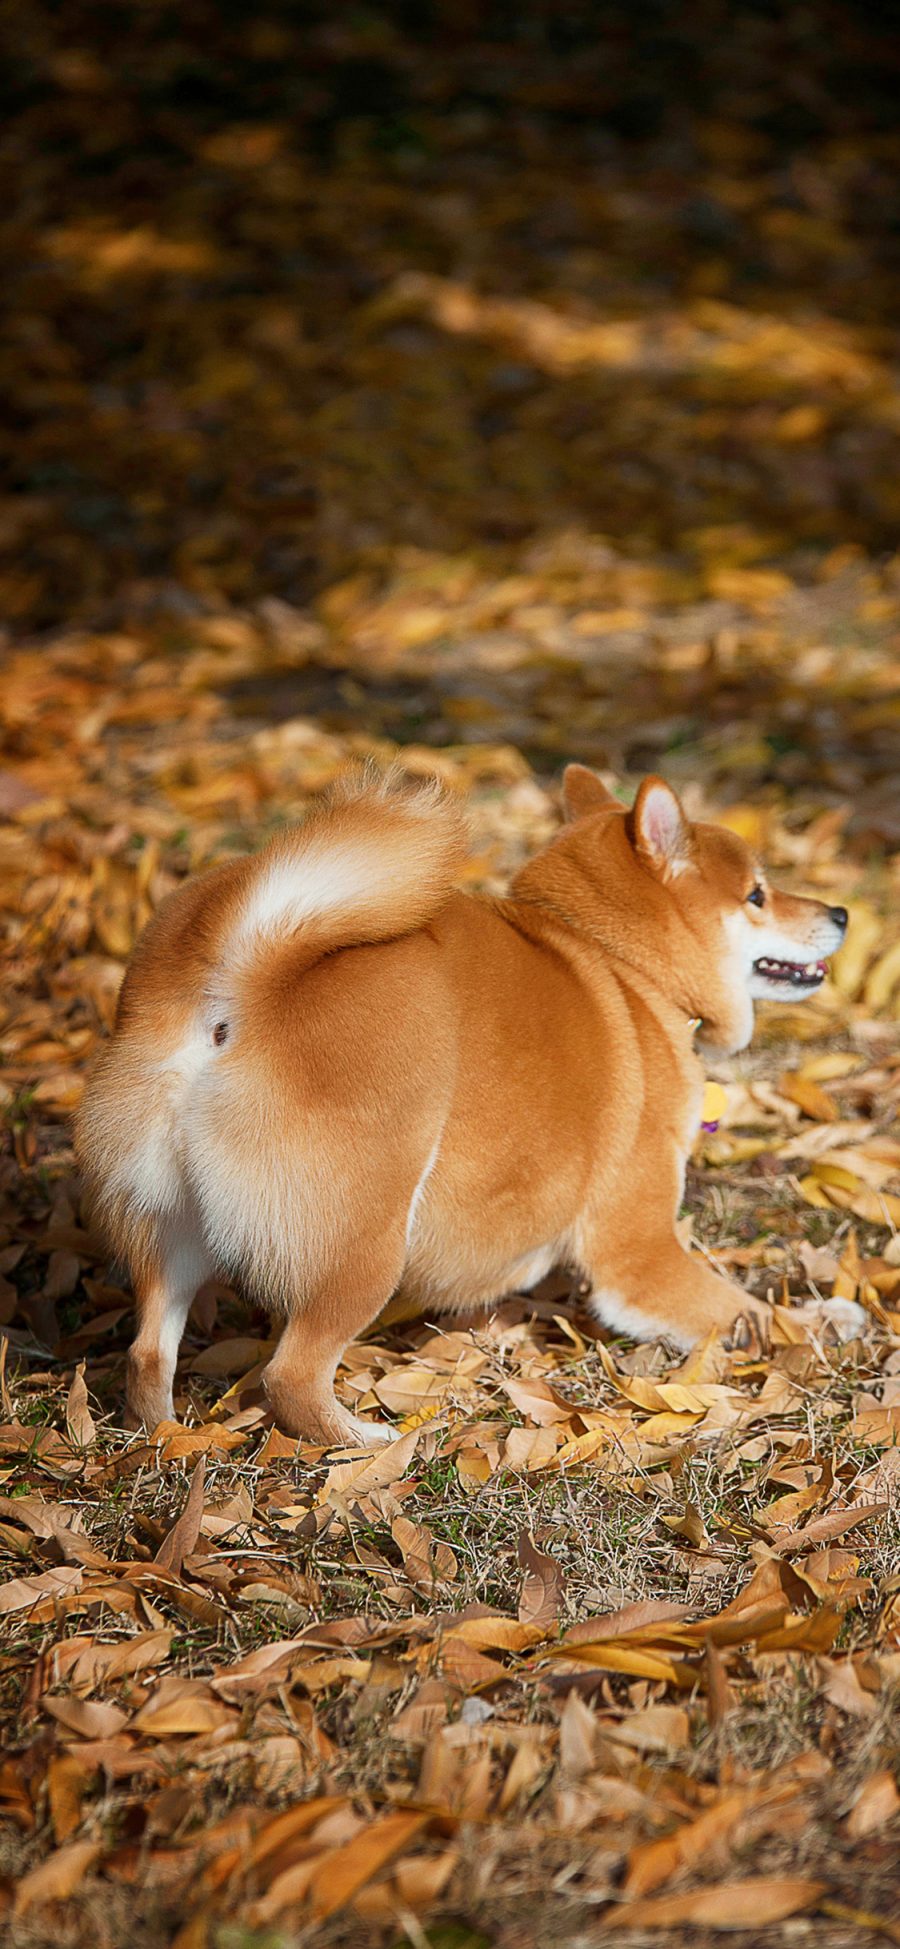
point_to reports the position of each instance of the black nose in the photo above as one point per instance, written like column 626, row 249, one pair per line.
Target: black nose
column 839, row 916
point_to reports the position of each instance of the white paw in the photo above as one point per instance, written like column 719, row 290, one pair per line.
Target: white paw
column 370, row 1434
column 843, row 1315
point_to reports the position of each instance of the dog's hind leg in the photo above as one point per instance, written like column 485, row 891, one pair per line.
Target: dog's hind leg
column 166, row 1275
column 299, row 1379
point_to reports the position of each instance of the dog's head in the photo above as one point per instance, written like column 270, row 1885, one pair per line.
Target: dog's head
column 716, row 930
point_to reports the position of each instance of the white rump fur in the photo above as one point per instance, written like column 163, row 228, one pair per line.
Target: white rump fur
column 376, row 859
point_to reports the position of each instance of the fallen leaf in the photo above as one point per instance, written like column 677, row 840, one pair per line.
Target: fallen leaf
column 542, row 1584
column 79, row 1420
column 182, row 1537
column 876, row 1804
column 55, row 1879
column 337, row 1879
column 729, row 1905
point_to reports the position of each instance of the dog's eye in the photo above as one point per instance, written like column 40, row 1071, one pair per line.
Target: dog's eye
column 757, row 896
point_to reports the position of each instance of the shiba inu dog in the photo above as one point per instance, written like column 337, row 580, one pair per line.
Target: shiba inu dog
column 337, row 1079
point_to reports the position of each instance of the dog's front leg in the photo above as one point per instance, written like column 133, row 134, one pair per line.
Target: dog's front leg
column 655, row 1289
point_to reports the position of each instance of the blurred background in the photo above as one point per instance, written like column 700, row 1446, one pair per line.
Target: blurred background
column 534, row 365
column 496, row 384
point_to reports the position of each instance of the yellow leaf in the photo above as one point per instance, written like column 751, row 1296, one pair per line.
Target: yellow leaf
column 582, row 1448
column 750, row 822
column 748, row 585
column 473, row 1469
column 667, row 1426
column 676, row 1395
column 715, row 1101
column 826, row 1068
column 882, row 979
column 849, row 966
column 814, row 1194
column 639, row 1661
column 812, row 1100
column 874, row 1207
column 835, row 1175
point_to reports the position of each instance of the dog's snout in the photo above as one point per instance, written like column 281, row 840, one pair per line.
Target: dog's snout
column 839, row 916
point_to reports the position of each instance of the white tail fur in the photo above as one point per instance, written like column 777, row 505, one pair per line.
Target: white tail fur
column 377, row 860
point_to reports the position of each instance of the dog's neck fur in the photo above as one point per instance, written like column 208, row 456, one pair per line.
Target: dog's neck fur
column 580, row 881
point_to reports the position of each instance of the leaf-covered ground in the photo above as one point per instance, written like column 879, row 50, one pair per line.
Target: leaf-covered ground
column 486, row 394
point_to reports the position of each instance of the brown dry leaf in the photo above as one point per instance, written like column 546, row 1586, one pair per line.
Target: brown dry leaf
column 421, row 1879
column 537, row 1401
column 88, row 1664
column 654, row 1729
column 67, row 1781
column 177, row 1443
column 578, row 1739
column 799, row 1088
column 225, row 1358
column 542, row 1585
column 525, row 1770
column 529, row 1448
column 666, row 1396
column 55, row 1879
column 408, row 1390
column 840, row 1684
column 259, row 1671
column 181, row 1706
column 730, row 1905
column 786, row 1509
column 33, row 1593
column 86, row 1718
column 79, row 1420
column 876, row 1804
column 280, row 1829
column 338, row 1878
column 655, row 1862
column 182, row 1537
column 495, row 1633
column 425, row 1561
column 371, row 1471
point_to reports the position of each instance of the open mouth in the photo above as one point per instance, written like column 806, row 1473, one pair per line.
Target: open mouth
column 798, row 974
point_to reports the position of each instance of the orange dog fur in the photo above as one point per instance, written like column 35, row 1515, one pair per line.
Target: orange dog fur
column 336, row 1079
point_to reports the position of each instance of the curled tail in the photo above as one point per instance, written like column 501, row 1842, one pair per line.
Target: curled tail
column 375, row 861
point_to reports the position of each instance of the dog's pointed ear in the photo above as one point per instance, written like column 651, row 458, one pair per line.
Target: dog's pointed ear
column 584, row 792
column 657, row 828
